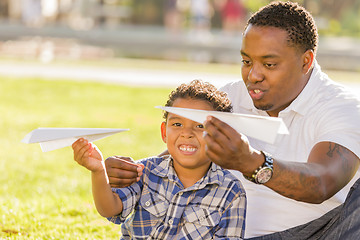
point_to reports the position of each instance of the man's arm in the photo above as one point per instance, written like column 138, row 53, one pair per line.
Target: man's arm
column 328, row 169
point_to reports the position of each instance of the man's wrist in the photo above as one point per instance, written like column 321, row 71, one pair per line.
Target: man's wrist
column 264, row 172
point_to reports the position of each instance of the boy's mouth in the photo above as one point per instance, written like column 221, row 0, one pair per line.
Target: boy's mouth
column 187, row 148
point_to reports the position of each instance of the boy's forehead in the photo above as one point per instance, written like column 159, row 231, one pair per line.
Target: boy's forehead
column 191, row 103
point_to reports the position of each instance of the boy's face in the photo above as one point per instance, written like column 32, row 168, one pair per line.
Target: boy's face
column 184, row 138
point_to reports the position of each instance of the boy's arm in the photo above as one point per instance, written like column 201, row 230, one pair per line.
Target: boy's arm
column 89, row 156
column 107, row 203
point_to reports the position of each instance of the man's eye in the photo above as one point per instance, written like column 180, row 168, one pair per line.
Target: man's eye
column 246, row 62
column 200, row 126
column 270, row 65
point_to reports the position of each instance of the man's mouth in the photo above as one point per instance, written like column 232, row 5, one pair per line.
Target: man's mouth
column 256, row 94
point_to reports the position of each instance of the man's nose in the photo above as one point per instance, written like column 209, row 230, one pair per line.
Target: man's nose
column 255, row 74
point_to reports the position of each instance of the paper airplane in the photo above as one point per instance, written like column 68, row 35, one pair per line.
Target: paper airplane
column 54, row 138
column 258, row 127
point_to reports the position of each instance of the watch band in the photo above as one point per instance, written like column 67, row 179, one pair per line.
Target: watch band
column 264, row 172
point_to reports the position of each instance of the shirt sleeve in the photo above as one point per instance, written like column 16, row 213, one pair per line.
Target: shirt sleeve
column 129, row 196
column 232, row 222
column 340, row 124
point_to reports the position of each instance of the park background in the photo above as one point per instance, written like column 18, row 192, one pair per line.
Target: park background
column 108, row 63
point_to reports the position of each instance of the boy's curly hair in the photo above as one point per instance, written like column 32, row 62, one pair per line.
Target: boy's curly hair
column 291, row 17
column 200, row 90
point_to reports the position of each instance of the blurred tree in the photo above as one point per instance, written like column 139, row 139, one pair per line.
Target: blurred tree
column 335, row 9
column 148, row 12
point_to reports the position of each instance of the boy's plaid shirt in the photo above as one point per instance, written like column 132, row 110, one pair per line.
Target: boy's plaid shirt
column 158, row 206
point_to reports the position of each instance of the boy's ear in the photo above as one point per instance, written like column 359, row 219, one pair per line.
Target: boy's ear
column 163, row 131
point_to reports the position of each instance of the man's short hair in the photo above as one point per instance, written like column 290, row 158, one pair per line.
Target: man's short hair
column 291, row 17
column 200, row 90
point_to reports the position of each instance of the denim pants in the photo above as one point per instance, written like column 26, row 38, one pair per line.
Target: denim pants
column 341, row 223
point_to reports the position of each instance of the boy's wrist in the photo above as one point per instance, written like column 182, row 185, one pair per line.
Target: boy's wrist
column 99, row 168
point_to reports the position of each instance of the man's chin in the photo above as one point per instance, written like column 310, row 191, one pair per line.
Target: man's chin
column 264, row 107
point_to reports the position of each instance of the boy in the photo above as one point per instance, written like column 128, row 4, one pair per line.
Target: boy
column 179, row 196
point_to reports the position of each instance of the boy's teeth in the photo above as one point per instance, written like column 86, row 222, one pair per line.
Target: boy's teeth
column 187, row 149
column 256, row 91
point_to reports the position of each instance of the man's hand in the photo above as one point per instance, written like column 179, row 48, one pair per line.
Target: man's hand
column 122, row 171
column 229, row 149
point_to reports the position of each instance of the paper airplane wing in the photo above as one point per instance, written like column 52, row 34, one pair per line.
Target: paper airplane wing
column 258, row 127
column 54, row 138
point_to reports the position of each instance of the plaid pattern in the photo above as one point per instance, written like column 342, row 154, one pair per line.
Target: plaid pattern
column 158, row 206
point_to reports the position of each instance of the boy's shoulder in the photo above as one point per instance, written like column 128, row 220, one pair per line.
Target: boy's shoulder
column 155, row 162
column 232, row 179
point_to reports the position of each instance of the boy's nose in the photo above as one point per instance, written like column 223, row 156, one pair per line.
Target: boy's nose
column 187, row 133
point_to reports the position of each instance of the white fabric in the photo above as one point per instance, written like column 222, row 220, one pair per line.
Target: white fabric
column 324, row 111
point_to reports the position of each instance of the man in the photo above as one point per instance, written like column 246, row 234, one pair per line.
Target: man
column 309, row 172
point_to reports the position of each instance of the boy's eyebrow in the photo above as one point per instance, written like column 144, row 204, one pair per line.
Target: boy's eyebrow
column 174, row 117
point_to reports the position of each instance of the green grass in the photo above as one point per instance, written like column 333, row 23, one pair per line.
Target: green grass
column 48, row 195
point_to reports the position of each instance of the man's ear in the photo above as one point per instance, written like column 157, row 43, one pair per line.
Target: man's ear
column 308, row 60
column 163, row 131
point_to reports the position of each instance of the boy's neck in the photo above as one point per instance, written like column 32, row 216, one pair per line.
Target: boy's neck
column 189, row 177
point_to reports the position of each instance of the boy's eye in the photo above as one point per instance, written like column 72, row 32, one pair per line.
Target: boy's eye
column 177, row 124
column 200, row 126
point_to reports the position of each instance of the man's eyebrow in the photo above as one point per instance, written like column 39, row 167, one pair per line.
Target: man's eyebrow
column 270, row 56
column 264, row 57
column 243, row 53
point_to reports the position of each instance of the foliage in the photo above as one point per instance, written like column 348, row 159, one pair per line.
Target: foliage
column 47, row 195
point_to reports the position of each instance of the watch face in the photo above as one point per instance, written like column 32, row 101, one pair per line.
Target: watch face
column 263, row 175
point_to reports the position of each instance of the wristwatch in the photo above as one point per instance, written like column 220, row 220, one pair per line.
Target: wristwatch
column 263, row 173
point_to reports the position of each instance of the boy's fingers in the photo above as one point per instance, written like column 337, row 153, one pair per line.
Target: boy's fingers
column 81, row 150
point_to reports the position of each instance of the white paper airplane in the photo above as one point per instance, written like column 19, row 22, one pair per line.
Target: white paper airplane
column 258, row 127
column 54, row 138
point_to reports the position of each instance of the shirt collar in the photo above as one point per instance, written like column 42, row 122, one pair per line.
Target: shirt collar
column 300, row 103
column 215, row 174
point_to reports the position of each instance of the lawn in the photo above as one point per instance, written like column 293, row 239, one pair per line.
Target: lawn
column 47, row 195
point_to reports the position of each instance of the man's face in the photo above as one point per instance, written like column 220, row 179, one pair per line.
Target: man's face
column 272, row 70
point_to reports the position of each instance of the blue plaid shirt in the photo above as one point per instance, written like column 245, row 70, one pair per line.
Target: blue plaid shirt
column 159, row 207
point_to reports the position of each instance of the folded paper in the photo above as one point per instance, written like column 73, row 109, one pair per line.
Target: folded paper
column 258, row 127
column 55, row 138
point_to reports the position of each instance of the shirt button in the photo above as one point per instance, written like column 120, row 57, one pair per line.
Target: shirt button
column 201, row 219
column 171, row 222
column 147, row 203
column 180, row 193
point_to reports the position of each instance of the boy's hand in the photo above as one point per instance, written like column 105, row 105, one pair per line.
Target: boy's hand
column 88, row 155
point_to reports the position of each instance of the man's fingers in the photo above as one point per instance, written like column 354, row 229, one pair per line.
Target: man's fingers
column 122, row 163
column 116, row 182
column 128, row 159
column 213, row 124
